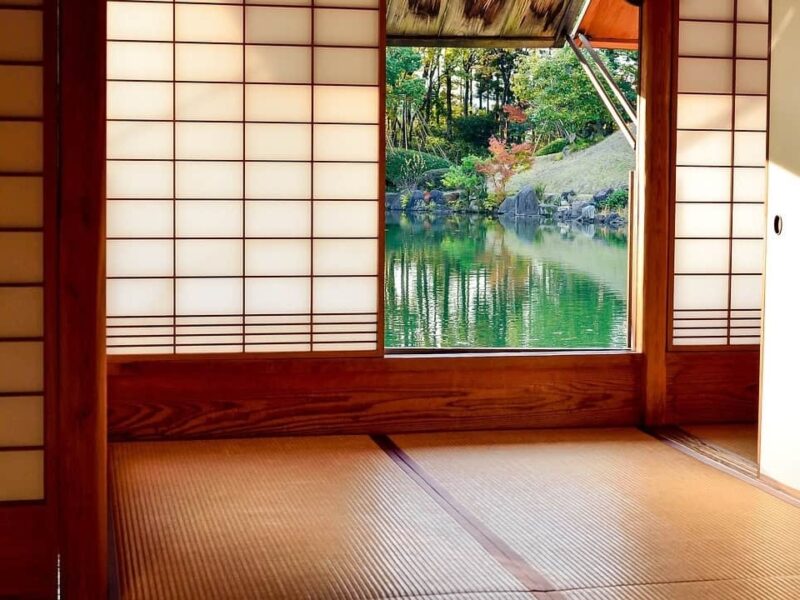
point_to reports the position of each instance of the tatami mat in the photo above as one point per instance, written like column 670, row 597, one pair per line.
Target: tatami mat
column 329, row 518
column 739, row 439
column 607, row 508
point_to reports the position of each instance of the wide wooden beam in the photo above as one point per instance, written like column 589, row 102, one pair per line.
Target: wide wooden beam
column 82, row 407
column 193, row 398
column 27, row 556
column 655, row 176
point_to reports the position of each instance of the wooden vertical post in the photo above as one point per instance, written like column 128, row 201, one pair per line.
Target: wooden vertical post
column 655, row 185
column 82, row 375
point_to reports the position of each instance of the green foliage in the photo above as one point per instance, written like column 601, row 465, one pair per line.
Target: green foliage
column 553, row 147
column 562, row 100
column 465, row 177
column 616, row 201
column 540, row 189
column 474, row 130
column 405, row 167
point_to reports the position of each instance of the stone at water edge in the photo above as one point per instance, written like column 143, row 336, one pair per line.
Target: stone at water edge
column 394, row 201
column 527, row 202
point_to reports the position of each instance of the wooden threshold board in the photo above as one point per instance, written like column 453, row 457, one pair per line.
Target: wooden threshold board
column 551, row 515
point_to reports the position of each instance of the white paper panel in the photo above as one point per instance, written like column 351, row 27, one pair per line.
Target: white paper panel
column 21, row 475
column 706, row 39
column 21, row 201
column 345, row 295
column 750, row 185
column 208, row 141
column 278, row 257
column 279, row 181
column 208, row 180
column 701, row 256
column 751, row 112
column 21, row 312
column 278, row 141
column 273, row 25
column 285, row 103
column 212, row 23
column 750, row 149
column 130, row 297
column 278, row 219
column 333, row 27
column 208, row 62
column 139, row 179
column 139, row 258
column 752, row 76
column 130, row 139
column 208, row 258
column 346, row 142
column 345, row 181
column 21, row 366
column 746, row 291
column 753, row 10
column 703, row 184
column 749, row 220
column 720, row 10
column 21, row 257
column 355, row 66
column 345, row 218
column 208, row 296
column 132, row 60
column 697, row 111
column 278, row 64
column 20, row 35
column 139, row 218
column 702, row 220
column 752, row 41
column 337, row 104
column 208, row 219
column 748, row 256
column 278, row 295
column 142, row 21
column 139, row 100
column 21, row 421
column 705, row 75
column 345, row 257
column 21, row 146
column 697, row 292
column 703, row 148
column 208, row 101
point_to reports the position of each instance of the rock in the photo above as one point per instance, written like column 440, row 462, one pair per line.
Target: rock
column 473, row 207
column 416, row 201
column 437, row 197
column 576, row 209
column 588, row 213
column 452, row 197
column 431, row 179
column 523, row 204
column 568, row 196
column 602, row 196
column 394, row 201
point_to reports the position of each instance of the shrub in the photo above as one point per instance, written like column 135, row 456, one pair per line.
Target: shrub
column 553, row 147
column 465, row 177
column 405, row 167
column 617, row 200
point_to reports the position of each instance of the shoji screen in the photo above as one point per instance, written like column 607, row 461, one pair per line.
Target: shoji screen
column 720, row 157
column 243, row 176
column 22, row 378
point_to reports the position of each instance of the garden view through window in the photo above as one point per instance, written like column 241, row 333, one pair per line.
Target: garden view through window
column 507, row 203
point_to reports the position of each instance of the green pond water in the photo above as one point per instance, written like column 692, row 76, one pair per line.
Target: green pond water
column 455, row 281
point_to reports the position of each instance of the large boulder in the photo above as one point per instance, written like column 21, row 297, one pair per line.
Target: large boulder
column 523, row 204
column 588, row 213
column 602, row 196
column 416, row 201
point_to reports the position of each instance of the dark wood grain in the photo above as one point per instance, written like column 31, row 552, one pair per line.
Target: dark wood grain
column 81, row 353
column 713, row 387
column 192, row 398
column 655, row 176
column 27, row 557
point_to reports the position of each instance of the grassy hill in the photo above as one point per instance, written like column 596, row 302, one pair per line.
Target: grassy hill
column 604, row 165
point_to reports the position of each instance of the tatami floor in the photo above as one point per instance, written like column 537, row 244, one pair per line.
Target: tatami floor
column 569, row 515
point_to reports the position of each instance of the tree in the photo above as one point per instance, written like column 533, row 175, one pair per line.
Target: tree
column 507, row 160
column 405, row 92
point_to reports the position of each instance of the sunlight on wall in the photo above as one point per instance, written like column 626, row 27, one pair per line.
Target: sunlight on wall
column 21, row 258
column 243, row 146
column 721, row 171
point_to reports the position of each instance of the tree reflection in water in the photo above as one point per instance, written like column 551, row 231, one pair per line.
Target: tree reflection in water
column 477, row 282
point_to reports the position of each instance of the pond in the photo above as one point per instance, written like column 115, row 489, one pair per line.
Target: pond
column 455, row 281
